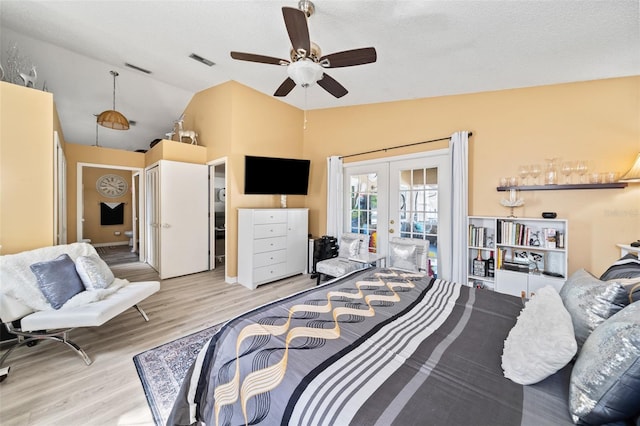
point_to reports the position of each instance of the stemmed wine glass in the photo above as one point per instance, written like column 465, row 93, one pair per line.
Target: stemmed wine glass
column 534, row 171
column 582, row 168
column 567, row 168
column 524, row 172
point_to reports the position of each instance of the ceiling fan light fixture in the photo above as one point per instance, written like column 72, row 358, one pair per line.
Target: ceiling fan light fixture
column 305, row 72
column 112, row 119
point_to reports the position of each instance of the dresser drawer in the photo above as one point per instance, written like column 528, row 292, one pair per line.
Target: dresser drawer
column 270, row 230
column 268, row 273
column 269, row 216
column 269, row 258
column 269, row 244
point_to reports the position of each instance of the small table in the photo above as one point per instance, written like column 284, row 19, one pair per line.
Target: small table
column 626, row 249
column 370, row 259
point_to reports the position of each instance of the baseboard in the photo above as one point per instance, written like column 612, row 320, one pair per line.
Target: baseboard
column 117, row 243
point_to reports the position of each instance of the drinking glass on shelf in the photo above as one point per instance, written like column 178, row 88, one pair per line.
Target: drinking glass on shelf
column 567, row 168
column 534, row 171
column 523, row 171
column 582, row 168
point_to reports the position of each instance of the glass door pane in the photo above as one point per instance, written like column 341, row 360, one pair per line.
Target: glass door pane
column 416, row 194
column 365, row 190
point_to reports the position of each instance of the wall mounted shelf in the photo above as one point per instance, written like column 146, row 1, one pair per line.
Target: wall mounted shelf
column 561, row 187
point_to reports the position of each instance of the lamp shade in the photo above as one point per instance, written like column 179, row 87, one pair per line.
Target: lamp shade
column 113, row 120
column 304, row 72
column 633, row 175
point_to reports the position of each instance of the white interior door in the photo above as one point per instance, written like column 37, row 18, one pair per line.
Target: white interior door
column 403, row 197
column 366, row 198
column 152, row 218
column 184, row 221
column 60, row 210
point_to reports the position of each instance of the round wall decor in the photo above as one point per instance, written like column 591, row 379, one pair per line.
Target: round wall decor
column 112, row 186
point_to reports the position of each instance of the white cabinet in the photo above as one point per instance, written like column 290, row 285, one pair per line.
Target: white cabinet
column 272, row 244
column 529, row 253
column 177, row 218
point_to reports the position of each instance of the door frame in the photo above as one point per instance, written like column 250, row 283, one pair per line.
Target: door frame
column 141, row 191
column 212, row 197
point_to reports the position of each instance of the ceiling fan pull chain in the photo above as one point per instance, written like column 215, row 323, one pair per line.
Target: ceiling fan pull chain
column 304, row 126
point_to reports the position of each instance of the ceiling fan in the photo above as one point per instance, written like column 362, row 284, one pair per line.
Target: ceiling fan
column 307, row 63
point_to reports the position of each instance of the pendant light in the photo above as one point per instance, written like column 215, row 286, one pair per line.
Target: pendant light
column 112, row 118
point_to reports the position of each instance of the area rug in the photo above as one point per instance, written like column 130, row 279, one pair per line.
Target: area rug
column 162, row 369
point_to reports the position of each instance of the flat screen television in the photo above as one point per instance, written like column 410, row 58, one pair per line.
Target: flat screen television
column 277, row 176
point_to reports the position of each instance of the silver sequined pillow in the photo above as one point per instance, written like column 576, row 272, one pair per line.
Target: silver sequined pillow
column 403, row 256
column 590, row 302
column 94, row 272
column 349, row 247
column 605, row 381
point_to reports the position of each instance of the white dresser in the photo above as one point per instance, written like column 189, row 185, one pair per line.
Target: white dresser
column 272, row 244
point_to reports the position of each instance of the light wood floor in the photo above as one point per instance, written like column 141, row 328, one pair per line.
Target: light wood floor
column 51, row 385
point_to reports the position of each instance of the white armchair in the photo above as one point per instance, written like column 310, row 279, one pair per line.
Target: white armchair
column 350, row 246
column 41, row 297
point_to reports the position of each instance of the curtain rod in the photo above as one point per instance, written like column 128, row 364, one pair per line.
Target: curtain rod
column 399, row 146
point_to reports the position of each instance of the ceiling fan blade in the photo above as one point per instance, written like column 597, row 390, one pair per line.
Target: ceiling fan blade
column 296, row 22
column 258, row 58
column 330, row 85
column 286, row 87
column 349, row 58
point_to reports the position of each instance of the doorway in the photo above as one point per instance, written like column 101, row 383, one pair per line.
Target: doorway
column 404, row 197
column 136, row 187
column 218, row 206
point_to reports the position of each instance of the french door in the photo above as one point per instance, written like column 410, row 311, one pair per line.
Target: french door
column 407, row 197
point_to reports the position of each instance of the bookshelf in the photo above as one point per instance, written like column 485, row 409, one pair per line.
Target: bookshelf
column 529, row 253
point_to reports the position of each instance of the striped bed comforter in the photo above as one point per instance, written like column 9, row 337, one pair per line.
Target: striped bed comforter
column 377, row 347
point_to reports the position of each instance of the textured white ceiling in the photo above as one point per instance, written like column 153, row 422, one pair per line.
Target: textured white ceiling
column 425, row 49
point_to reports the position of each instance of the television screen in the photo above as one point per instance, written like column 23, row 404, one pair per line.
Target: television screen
column 278, row 176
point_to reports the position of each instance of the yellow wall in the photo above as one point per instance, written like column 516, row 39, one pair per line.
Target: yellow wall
column 94, row 155
column 92, row 229
column 232, row 121
column 26, row 168
column 598, row 121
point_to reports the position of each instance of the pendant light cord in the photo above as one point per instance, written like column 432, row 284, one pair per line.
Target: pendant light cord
column 114, row 74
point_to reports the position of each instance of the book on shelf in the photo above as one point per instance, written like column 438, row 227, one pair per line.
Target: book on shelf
column 517, row 234
column 478, row 236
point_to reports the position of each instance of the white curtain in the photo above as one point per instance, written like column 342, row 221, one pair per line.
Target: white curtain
column 459, row 158
column 335, row 214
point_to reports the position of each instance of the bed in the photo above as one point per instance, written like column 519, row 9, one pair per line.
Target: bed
column 377, row 347
column 387, row 346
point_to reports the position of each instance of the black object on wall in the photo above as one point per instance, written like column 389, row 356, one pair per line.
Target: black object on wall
column 111, row 216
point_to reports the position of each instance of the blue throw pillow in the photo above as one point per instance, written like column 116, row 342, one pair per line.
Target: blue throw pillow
column 58, row 280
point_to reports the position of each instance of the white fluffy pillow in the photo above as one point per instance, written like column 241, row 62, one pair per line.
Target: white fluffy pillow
column 94, row 272
column 541, row 342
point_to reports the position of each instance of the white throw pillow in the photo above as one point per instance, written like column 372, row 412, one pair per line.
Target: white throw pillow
column 349, row 247
column 541, row 342
column 403, row 257
column 94, row 272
